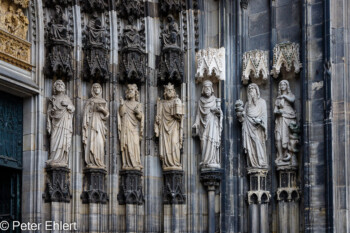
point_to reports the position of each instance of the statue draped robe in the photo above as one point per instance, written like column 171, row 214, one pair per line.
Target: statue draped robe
column 60, row 123
column 254, row 136
column 130, row 129
column 169, row 130
column 94, row 132
column 210, row 127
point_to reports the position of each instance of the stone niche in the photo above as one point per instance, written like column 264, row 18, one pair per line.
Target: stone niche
column 14, row 49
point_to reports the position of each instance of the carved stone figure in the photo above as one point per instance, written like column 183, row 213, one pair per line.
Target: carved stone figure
column 58, row 31
column 15, row 22
column 133, row 57
column 130, row 128
column 59, row 125
column 22, row 3
column 169, row 128
column 208, row 126
column 171, row 66
column 94, row 128
column 95, row 33
column 254, row 127
column 285, row 115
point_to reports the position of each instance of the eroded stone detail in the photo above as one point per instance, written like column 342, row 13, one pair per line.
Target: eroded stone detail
column 171, row 66
column 255, row 66
column 59, row 56
column 130, row 9
column 22, row 3
column 173, row 190
column 94, row 186
column 59, row 126
column 94, row 128
column 167, row 6
column 210, row 64
column 169, row 128
column 130, row 129
column 57, row 185
column 258, row 193
column 253, row 117
column 211, row 177
column 286, row 55
column 95, row 50
column 208, row 126
column 130, row 188
column 288, row 189
column 92, row 6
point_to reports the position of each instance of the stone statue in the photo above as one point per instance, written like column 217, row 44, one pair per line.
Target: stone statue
column 169, row 128
column 131, row 38
column 58, row 26
column 59, row 125
column 95, row 32
column 171, row 34
column 208, row 126
column 94, row 128
column 130, row 128
column 285, row 115
column 254, row 127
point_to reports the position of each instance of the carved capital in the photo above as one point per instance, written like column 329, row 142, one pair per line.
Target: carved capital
column 255, row 66
column 94, row 186
column 173, row 190
column 286, row 55
column 57, row 185
column 130, row 188
column 210, row 64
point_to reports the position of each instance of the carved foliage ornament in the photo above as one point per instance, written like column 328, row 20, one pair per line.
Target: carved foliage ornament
column 93, row 5
column 210, row 64
column 171, row 66
column 167, row 6
column 286, row 55
column 132, row 67
column 62, row 3
column 255, row 66
column 130, row 9
column 22, row 3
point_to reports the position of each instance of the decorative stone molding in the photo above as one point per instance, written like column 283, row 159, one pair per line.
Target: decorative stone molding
column 211, row 177
column 167, row 6
column 288, row 189
column 15, row 50
column 94, row 186
column 130, row 188
column 63, row 3
column 130, row 9
column 173, row 190
column 244, row 4
column 258, row 193
column 94, row 5
column 286, row 55
column 255, row 66
column 210, row 64
column 57, row 185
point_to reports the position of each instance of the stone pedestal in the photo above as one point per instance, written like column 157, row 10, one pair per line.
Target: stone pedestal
column 94, row 186
column 288, row 199
column 211, row 178
column 174, row 194
column 258, row 199
column 131, row 195
column 57, row 185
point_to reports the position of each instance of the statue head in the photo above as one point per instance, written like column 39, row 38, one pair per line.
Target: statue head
column 132, row 92
column 96, row 90
column 59, row 10
column 170, row 18
column 59, row 87
column 169, row 92
column 253, row 93
column 283, row 87
column 207, row 89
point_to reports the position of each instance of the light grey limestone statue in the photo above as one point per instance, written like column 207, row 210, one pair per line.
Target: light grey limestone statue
column 208, row 126
column 254, row 127
column 169, row 128
column 285, row 116
column 94, row 128
column 59, row 125
column 130, row 127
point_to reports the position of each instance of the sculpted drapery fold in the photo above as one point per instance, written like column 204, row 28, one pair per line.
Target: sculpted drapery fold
column 130, row 127
column 94, row 128
column 169, row 128
column 208, row 126
column 59, row 125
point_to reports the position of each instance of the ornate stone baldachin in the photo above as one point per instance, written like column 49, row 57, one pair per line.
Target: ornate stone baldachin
column 255, row 66
column 286, row 55
column 210, row 64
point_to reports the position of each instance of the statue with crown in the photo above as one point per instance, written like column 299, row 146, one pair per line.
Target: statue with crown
column 169, row 128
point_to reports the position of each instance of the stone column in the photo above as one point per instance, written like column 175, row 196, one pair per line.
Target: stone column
column 130, row 194
column 94, row 194
column 174, row 195
column 288, row 199
column 211, row 178
column 258, row 199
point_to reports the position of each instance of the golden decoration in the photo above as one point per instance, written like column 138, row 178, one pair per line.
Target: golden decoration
column 15, row 50
column 22, row 3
